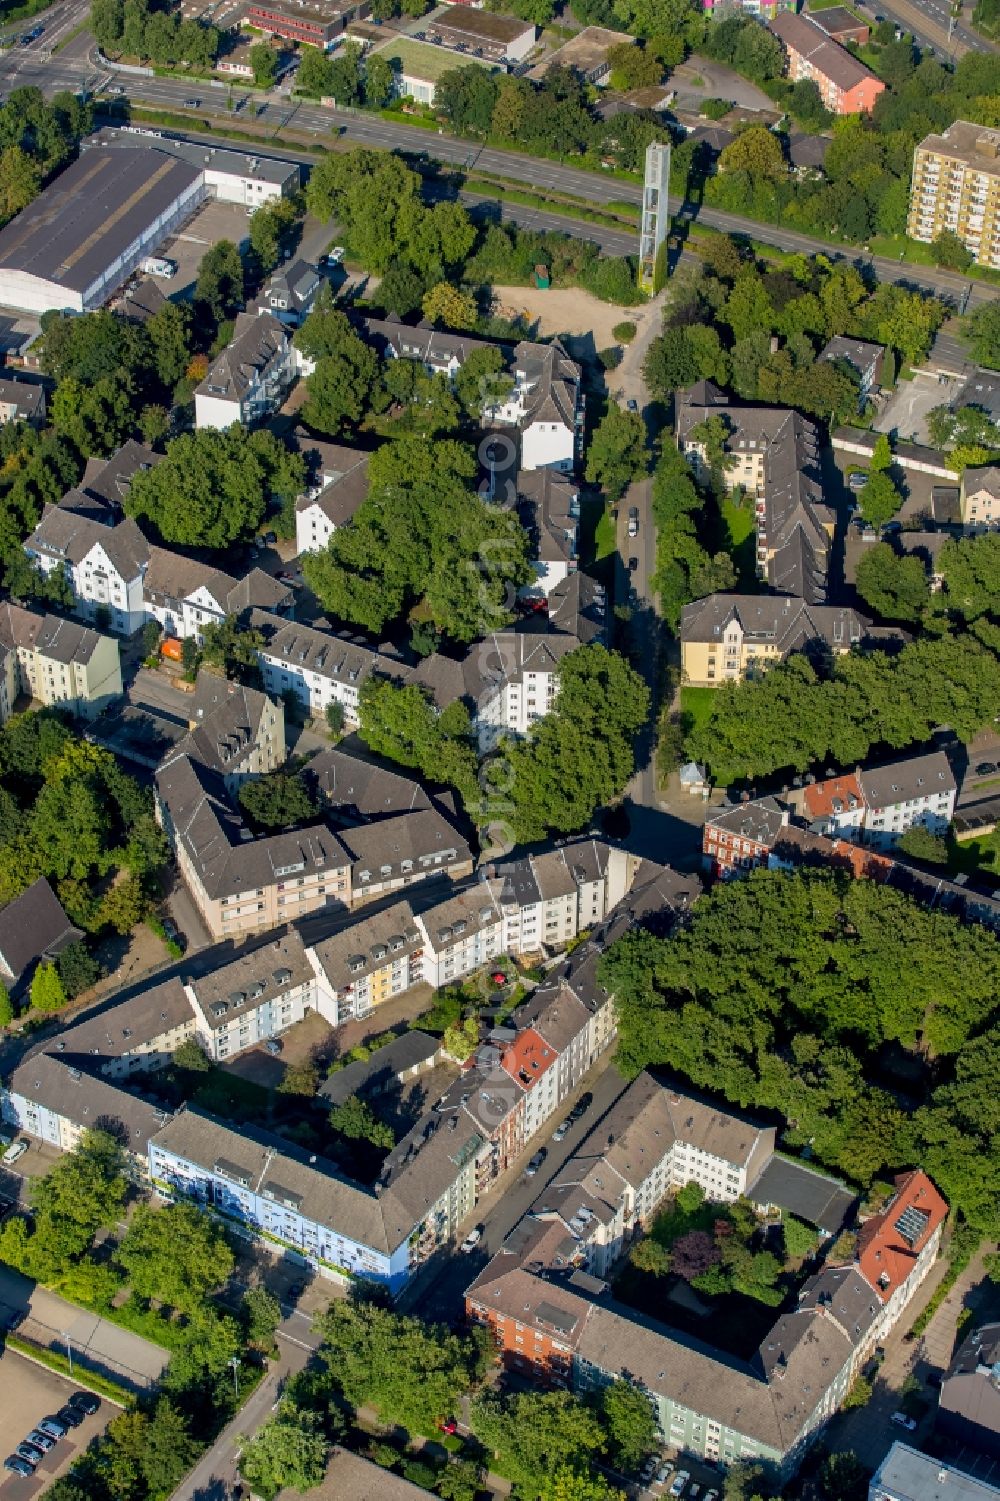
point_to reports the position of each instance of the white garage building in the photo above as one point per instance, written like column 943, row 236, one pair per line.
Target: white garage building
column 89, row 229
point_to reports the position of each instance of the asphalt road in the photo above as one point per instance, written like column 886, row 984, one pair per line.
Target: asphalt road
column 438, row 1291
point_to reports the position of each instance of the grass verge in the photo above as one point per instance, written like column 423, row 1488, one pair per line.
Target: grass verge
column 102, row 1386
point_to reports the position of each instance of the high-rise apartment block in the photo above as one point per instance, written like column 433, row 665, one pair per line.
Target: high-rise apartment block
column 956, row 186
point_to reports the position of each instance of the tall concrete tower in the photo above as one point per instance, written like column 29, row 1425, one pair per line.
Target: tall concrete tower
column 655, row 212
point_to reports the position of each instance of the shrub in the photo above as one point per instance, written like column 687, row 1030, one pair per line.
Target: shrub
column 624, row 332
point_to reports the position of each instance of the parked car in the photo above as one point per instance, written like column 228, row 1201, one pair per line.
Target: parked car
column 632, row 404
column 471, row 1241
column 561, row 1129
column 192, row 104
column 857, row 479
column 71, row 1416
column 448, row 1425
column 711, row 1496
column 336, row 255
column 582, row 1105
column 694, row 1490
column 986, row 768
column 633, row 521
column 633, row 564
column 535, row 1163
column 665, row 1471
column 41, row 1440
column 54, row 1427
column 30, row 1453
column 902, row 1421
column 272, row 1046
column 680, row 1481
column 18, row 1466
column 646, row 1473
column 85, row 1402
column 16, row 1149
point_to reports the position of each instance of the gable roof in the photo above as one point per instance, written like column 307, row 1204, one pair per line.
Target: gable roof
column 801, row 34
column 890, row 1242
column 256, row 343
column 33, row 927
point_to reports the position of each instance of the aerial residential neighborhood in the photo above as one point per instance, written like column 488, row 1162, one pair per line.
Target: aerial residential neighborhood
column 499, row 750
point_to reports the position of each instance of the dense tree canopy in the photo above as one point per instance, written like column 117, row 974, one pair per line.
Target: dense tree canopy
column 782, row 993
column 178, row 1254
column 792, row 717
column 422, row 533
column 213, row 488
column 411, row 1372
column 579, row 757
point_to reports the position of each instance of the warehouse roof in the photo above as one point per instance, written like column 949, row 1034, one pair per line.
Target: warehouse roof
column 91, row 212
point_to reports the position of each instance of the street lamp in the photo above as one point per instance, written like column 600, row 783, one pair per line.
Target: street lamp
column 234, row 1361
column 69, row 1349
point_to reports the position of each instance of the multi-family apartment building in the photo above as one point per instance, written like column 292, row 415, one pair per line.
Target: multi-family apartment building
column 549, row 510
column 651, row 1141
column 242, row 885
column 255, row 997
column 865, row 359
column 729, row 637
column 431, row 1182
column 845, row 85
column 897, row 1246
column 956, row 186
column 336, row 484
column 114, row 572
column 249, row 379
column 740, row 838
column 773, row 455
column 544, row 1297
column 510, row 679
column 58, row 663
column 908, row 1475
column 319, row 667
column 980, row 497
column 394, row 852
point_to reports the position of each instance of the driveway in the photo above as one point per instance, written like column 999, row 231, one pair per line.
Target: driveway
column 700, row 78
column 54, row 1323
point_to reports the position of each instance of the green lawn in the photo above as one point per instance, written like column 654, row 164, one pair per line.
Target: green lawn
column 604, row 536
column 696, row 707
column 739, row 521
column 974, row 855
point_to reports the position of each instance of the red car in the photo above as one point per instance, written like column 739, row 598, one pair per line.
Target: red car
column 448, row 1425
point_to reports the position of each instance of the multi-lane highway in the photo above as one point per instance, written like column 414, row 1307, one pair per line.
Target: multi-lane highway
column 52, row 71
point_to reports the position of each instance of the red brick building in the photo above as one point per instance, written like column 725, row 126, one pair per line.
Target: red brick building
column 739, row 839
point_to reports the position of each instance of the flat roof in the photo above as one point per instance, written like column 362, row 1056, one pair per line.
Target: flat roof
column 425, row 61
column 908, row 1475
column 92, row 211
column 480, row 23
column 201, row 155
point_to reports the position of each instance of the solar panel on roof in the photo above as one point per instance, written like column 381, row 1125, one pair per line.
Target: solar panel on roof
column 912, row 1223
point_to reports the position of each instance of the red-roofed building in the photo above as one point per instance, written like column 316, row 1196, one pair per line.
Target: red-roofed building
column 530, row 1061
column 837, row 804
column 897, row 1247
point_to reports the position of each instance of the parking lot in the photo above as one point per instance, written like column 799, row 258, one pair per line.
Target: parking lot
column 213, row 221
column 905, row 415
column 702, row 1482
column 30, row 1393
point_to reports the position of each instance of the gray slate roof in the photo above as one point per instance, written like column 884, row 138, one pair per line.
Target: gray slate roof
column 33, row 926
column 256, row 343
